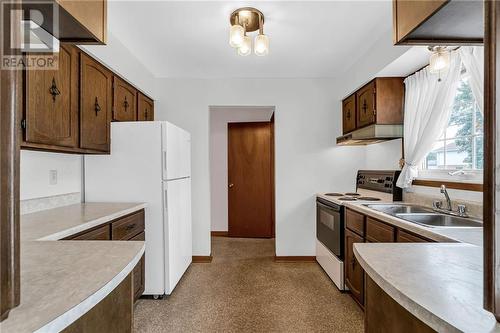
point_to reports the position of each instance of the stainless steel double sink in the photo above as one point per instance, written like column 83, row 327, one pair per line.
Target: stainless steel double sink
column 425, row 216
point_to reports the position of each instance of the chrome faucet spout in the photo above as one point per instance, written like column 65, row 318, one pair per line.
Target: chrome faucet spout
column 445, row 192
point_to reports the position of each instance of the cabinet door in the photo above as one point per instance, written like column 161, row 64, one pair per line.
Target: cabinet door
column 95, row 105
column 138, row 272
column 145, row 108
column 52, row 102
column 354, row 274
column 349, row 114
column 366, row 105
column 124, row 101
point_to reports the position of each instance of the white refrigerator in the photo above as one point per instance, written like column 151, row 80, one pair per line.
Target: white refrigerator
column 150, row 162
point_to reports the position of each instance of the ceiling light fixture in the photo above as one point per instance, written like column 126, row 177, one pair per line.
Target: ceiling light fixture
column 244, row 20
column 439, row 60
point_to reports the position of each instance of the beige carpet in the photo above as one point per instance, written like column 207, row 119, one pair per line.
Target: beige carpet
column 244, row 290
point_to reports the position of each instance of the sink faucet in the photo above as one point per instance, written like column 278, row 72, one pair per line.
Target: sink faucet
column 448, row 201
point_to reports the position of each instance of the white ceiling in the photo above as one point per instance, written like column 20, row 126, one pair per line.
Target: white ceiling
column 190, row 38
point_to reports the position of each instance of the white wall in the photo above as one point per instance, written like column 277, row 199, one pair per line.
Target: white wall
column 384, row 155
column 307, row 120
column 219, row 118
column 35, row 168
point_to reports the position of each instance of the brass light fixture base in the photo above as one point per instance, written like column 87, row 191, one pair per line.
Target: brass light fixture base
column 248, row 17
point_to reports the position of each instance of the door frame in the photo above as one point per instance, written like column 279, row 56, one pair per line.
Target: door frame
column 272, row 176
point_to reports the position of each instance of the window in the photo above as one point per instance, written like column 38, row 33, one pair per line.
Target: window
column 460, row 147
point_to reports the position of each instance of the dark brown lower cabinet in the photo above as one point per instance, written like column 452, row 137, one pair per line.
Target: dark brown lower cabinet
column 384, row 314
column 354, row 273
column 113, row 314
column 139, row 271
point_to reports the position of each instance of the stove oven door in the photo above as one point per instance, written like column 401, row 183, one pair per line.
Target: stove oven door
column 330, row 227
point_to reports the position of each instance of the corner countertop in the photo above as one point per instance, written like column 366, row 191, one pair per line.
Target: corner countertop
column 440, row 284
column 461, row 235
column 62, row 280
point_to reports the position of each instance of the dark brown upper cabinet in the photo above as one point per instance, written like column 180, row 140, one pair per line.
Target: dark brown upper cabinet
column 437, row 22
column 145, row 108
column 95, row 105
column 349, row 114
column 124, row 101
column 51, row 114
column 378, row 102
column 82, row 22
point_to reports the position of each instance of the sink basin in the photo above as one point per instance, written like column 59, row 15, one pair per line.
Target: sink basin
column 440, row 220
column 393, row 209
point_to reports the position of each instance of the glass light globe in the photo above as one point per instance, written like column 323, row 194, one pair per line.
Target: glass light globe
column 261, row 47
column 439, row 61
column 246, row 47
column 236, row 35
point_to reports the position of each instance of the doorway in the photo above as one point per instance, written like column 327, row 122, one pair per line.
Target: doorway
column 221, row 117
column 250, row 179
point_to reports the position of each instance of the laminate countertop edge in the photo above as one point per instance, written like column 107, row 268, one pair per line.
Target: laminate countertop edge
column 67, row 318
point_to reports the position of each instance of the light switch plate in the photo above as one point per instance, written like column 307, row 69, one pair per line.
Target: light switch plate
column 52, row 177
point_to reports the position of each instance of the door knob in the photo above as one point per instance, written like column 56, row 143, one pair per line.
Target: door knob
column 231, row 185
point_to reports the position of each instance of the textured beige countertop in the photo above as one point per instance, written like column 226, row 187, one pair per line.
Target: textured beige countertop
column 441, row 284
column 461, row 235
column 62, row 280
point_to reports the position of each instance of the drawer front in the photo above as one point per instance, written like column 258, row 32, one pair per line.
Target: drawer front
column 100, row 233
column 128, row 226
column 406, row 237
column 379, row 232
column 355, row 222
column 138, row 272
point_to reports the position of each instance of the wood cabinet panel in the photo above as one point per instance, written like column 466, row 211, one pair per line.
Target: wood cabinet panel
column 95, row 105
column 115, row 313
column 128, row 227
column 91, row 14
column 389, row 100
column 124, row 101
column 145, row 108
column 377, row 231
column 365, row 105
column 138, row 274
column 99, row 233
column 349, row 114
column 355, row 222
column 406, row 237
column 384, row 314
column 354, row 273
column 52, row 102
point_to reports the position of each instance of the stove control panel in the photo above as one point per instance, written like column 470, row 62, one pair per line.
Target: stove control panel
column 381, row 181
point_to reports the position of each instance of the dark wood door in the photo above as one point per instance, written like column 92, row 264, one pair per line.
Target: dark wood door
column 349, row 114
column 138, row 274
column 145, row 108
column 366, row 105
column 124, row 101
column 249, row 179
column 354, row 273
column 52, row 102
column 95, row 105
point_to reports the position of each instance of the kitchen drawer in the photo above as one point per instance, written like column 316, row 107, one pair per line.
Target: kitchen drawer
column 138, row 272
column 355, row 222
column 406, row 237
column 127, row 227
column 99, row 233
column 377, row 231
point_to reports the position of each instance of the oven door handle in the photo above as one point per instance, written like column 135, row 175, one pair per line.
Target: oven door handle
column 322, row 205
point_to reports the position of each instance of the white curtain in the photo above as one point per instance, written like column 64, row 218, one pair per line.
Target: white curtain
column 428, row 104
column 473, row 61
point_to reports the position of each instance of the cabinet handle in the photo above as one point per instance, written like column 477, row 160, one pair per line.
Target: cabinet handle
column 97, row 108
column 130, row 227
column 54, row 91
column 146, row 114
column 349, row 114
column 353, row 263
column 365, row 107
column 125, row 104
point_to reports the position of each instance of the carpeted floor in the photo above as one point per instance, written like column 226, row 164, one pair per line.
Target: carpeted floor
column 244, row 290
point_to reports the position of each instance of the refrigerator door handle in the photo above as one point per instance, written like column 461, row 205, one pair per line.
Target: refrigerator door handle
column 165, row 162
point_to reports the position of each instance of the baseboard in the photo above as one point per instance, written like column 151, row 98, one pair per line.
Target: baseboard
column 295, row 258
column 202, row 259
column 219, row 233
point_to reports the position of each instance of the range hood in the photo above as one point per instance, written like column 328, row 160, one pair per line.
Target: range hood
column 370, row 135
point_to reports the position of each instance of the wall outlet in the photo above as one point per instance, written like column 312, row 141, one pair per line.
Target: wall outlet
column 52, row 177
